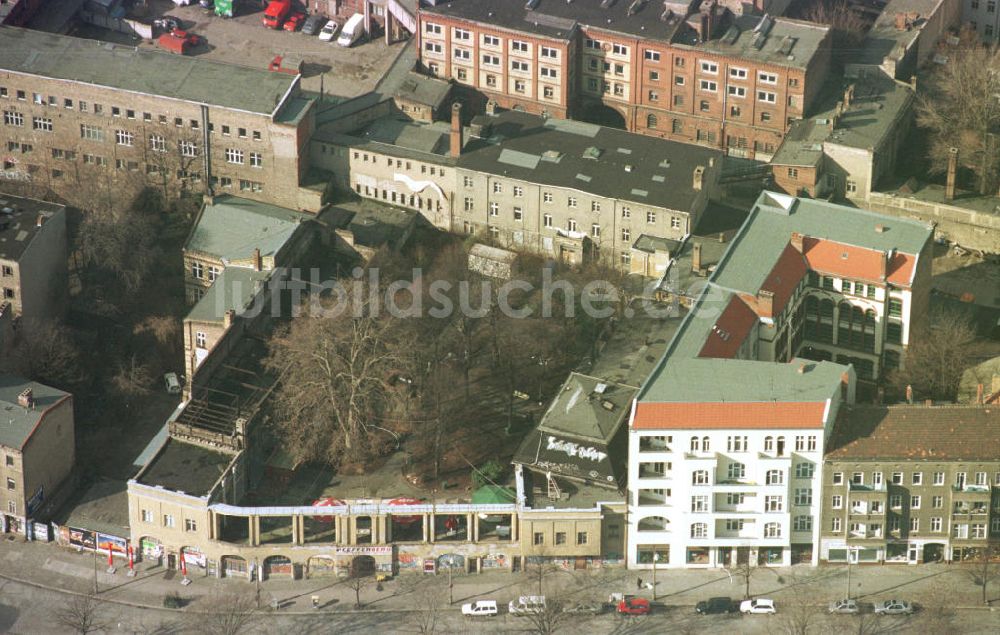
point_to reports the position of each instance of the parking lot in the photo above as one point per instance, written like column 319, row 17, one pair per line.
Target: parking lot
column 342, row 72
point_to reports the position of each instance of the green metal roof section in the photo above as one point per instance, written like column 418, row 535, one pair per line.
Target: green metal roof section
column 742, row 381
column 588, row 407
column 17, row 422
column 230, row 228
column 768, row 229
column 233, row 289
column 145, row 71
column 493, row 495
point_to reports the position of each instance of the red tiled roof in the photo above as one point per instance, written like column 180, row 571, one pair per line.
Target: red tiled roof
column 784, row 277
column 750, row 415
column 729, row 330
column 858, row 263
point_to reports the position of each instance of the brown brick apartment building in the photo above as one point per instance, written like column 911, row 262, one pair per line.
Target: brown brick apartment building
column 714, row 73
column 83, row 120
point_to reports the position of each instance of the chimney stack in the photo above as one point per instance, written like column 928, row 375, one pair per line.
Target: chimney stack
column 26, row 399
column 699, row 178
column 979, row 394
column 696, row 257
column 802, row 368
column 40, row 220
column 949, row 188
column 913, row 82
column 228, row 318
column 456, row 130
column 765, row 304
column 909, row 394
column 258, row 262
column 491, row 108
column 848, row 96
column 884, row 266
column 797, row 241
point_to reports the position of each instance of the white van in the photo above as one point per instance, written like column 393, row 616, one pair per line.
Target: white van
column 172, row 383
column 352, row 31
column 527, row 604
column 480, row 608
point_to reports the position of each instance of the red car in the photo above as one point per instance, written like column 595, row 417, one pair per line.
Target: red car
column 634, row 606
column 295, row 21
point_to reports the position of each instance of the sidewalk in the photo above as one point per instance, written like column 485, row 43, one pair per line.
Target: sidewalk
column 57, row 568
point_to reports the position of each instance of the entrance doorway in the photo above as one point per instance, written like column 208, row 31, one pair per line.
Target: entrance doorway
column 912, row 554
column 362, row 566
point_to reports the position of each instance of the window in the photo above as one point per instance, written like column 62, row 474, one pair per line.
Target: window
column 571, row 201
column 897, row 478
column 936, row 524
column 733, row 524
column 914, row 524
column 124, row 137
column 675, row 223
column 709, row 67
column 518, row 190
column 699, row 530
column 835, row 524
column 549, row 52
column 803, row 496
column 737, row 470
column 595, row 206
column 895, row 501
column 837, row 502
column 11, row 484
column 981, row 478
column 200, row 340
column 626, row 234
column 462, row 54
column 804, row 470
column 256, row 160
column 548, row 92
column 432, row 47
column 704, row 105
column 494, row 209
column 12, row 118
column 737, row 91
column 560, row 537
column 699, row 503
column 877, row 479
column 130, row 114
column 538, row 538
column 699, row 477
column 894, row 333
column 213, row 273
column 773, row 503
column 651, row 218
column 652, row 56
column 518, row 214
column 41, row 123
column 157, row 143
column 939, row 478
column 619, row 49
column 802, row 523
column 188, row 148
column 772, row 530
column 197, row 270
column 497, row 188
column 581, row 537
column 595, row 231
column 547, row 220
column 734, row 498
column 234, row 156
column 774, row 477
column 937, row 502
column 767, row 78
column 765, row 116
column 895, row 307
column 168, row 520
column 547, row 197
column 83, row 106
column 190, row 524
column 571, row 225
column 146, row 516
column 918, row 478
column 767, row 96
column 517, row 45
column 708, row 86
column 625, row 258
column 736, row 444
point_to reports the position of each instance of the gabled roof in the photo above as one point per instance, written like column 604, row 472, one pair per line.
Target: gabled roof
column 929, row 433
column 234, row 289
column 784, row 278
column 740, row 415
column 727, row 334
column 588, row 408
column 18, row 423
column 858, row 263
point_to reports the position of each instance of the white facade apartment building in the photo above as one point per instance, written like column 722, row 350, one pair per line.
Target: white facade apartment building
column 737, row 476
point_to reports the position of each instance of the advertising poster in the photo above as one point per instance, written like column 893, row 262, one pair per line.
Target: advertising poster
column 118, row 545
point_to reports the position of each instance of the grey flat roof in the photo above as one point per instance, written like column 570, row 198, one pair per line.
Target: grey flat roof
column 19, row 226
column 102, row 507
column 884, row 37
column 150, row 72
column 878, row 101
column 615, row 163
column 231, row 228
column 558, row 19
column 588, row 407
column 234, row 289
column 187, row 468
column 423, row 89
column 16, row 422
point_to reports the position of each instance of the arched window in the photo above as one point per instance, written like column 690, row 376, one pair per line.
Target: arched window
column 769, row 444
column 699, row 530
column 695, row 444
column 704, row 444
column 869, row 344
column 654, row 523
column 651, row 121
column 699, row 477
column 825, row 330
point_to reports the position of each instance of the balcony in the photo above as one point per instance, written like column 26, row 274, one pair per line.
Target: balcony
column 654, row 444
column 861, row 487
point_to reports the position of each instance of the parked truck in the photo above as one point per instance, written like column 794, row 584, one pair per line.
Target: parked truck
column 352, row 31
column 276, row 13
column 178, row 41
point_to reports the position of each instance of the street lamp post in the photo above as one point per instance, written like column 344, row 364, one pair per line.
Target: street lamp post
column 656, row 557
column 850, row 550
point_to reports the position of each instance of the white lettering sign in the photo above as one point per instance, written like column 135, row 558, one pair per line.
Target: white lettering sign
column 573, row 449
column 15, row 175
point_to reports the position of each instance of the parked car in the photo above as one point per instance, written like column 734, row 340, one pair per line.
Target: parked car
column 527, row 604
column 714, row 606
column 328, row 31
column 893, row 607
column 480, row 608
column 844, row 606
column 172, row 383
column 760, row 606
column 167, row 23
column 353, row 30
column 294, row 21
column 313, row 24
column 633, row 606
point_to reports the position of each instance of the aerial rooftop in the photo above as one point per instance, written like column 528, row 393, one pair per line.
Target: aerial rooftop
column 18, row 423
column 234, row 289
column 184, row 467
column 922, row 433
column 230, row 228
column 148, row 72
column 19, row 222
column 783, row 42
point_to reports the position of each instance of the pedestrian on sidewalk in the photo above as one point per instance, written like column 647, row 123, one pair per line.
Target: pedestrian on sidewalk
column 638, row 584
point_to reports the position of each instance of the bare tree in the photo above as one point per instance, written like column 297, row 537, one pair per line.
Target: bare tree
column 797, row 616
column 45, row 351
column 547, row 619
column 985, row 569
column 848, row 26
column 863, row 623
column 938, row 353
column 333, row 394
column 133, row 378
column 231, row 613
column 82, row 615
column 749, row 570
column 119, row 247
column 358, row 583
column 959, row 109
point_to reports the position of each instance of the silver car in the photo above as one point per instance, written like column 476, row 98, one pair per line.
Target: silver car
column 893, row 607
column 844, row 606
